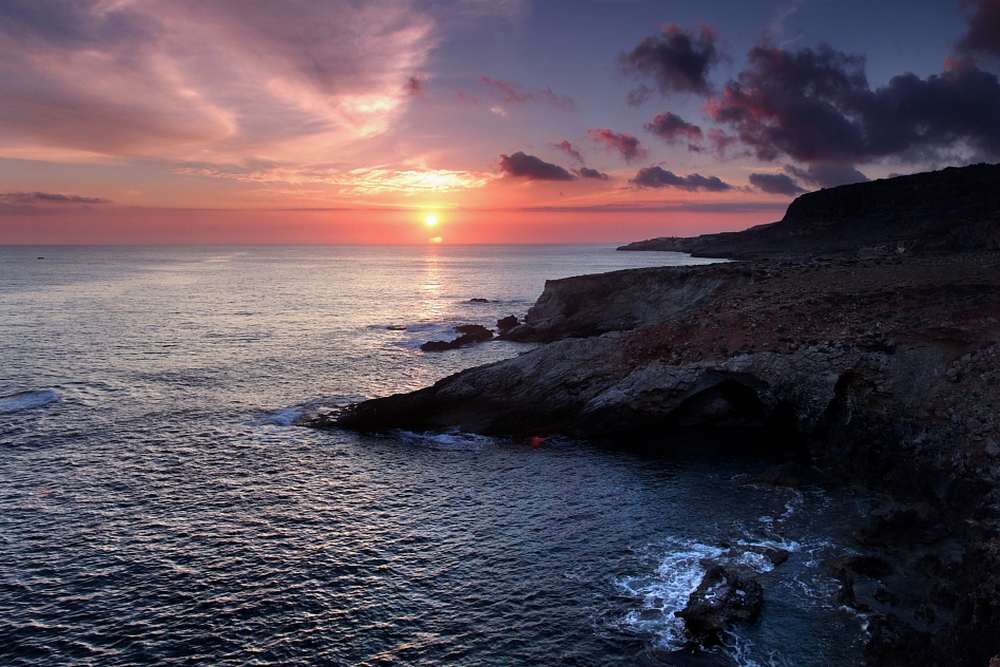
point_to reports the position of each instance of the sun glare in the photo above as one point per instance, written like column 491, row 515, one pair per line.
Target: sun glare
column 431, row 220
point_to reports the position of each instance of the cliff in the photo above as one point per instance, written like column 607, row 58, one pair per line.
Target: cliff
column 953, row 209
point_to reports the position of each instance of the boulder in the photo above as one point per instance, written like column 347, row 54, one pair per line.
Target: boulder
column 471, row 333
column 507, row 323
column 722, row 598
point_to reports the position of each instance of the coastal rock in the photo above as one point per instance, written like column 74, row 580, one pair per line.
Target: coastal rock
column 506, row 323
column 591, row 305
column 722, row 598
column 471, row 333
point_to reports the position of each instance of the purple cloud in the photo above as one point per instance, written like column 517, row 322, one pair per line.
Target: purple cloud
column 623, row 142
column 827, row 175
column 532, row 168
column 586, row 172
column 514, row 93
column 671, row 127
column 677, row 61
column 816, row 107
column 776, row 184
column 657, row 177
column 984, row 28
column 416, row 85
column 570, row 150
column 48, row 198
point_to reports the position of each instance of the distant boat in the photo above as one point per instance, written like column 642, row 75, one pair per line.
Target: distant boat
column 41, row 258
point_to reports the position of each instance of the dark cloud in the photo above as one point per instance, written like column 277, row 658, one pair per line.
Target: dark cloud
column 570, row 150
column 983, row 36
column 657, row 177
column 672, row 127
column 639, row 96
column 48, row 198
column 817, row 106
column 532, row 168
column 776, row 184
column 827, row 175
column 677, row 61
column 514, row 93
column 623, row 142
column 415, row 85
column 586, row 172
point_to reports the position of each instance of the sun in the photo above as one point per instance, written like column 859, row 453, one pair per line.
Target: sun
column 431, row 220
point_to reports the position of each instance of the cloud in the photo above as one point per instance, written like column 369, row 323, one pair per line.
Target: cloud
column 817, row 106
column 776, row 184
column 351, row 181
column 416, row 85
column 827, row 175
column 570, row 150
column 623, row 142
column 586, row 172
column 671, row 127
column 177, row 78
column 657, row 177
column 48, row 198
column 532, row 168
column 983, row 36
column 677, row 61
column 508, row 92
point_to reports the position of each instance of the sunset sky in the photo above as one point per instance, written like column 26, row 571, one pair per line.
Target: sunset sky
column 330, row 121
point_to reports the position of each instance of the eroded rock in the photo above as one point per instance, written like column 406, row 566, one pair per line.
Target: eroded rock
column 722, row 598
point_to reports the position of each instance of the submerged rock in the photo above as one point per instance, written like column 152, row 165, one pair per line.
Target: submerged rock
column 722, row 598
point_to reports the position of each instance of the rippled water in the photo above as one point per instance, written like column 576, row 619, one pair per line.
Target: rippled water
column 157, row 507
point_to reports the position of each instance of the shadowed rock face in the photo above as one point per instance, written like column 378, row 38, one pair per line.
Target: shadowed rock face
column 953, row 209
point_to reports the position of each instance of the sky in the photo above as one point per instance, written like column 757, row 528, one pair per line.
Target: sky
column 510, row 121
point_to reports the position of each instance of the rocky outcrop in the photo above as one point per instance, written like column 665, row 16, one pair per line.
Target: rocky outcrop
column 885, row 369
column 590, row 305
column 955, row 209
column 471, row 333
column 722, row 598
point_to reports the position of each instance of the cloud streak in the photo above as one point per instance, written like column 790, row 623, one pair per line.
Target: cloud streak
column 508, row 92
column 657, row 177
column 178, row 78
column 776, row 184
column 532, row 168
column 48, row 199
column 629, row 147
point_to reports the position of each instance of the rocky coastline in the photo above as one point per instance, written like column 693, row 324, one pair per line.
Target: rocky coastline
column 875, row 363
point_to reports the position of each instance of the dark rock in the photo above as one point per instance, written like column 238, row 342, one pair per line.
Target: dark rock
column 893, row 643
column 505, row 323
column 901, row 524
column 478, row 299
column 868, row 566
column 471, row 333
column 722, row 598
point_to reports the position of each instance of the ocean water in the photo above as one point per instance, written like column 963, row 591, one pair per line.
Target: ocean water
column 158, row 505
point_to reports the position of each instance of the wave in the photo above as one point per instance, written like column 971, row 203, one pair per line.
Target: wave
column 459, row 442
column 26, row 400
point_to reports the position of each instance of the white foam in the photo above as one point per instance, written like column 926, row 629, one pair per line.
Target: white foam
column 282, row 417
column 456, row 441
column 667, row 591
column 28, row 399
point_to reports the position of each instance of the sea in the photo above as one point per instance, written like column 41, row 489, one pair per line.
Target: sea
column 160, row 503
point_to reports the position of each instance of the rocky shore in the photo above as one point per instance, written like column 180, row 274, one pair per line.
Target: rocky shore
column 876, row 364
